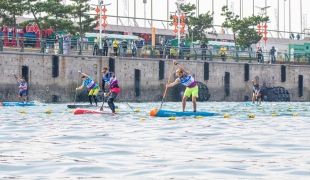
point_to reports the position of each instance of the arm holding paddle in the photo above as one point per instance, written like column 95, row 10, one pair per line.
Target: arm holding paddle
column 177, row 81
column 17, row 78
column 180, row 67
column 83, row 74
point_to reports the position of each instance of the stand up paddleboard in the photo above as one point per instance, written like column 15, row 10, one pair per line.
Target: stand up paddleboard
column 71, row 106
column 18, row 104
column 167, row 113
column 90, row 111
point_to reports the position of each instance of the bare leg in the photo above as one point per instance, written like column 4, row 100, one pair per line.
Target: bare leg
column 194, row 103
column 184, row 102
column 19, row 98
column 253, row 96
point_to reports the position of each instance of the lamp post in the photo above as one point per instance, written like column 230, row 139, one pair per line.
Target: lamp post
column 284, row 19
column 100, row 4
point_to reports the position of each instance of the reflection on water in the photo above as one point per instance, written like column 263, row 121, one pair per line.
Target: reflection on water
column 60, row 145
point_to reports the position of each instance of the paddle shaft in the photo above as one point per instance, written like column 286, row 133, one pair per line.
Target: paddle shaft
column 76, row 90
column 162, row 101
column 130, row 106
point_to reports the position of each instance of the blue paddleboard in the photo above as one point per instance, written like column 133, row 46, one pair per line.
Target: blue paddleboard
column 167, row 113
column 18, row 104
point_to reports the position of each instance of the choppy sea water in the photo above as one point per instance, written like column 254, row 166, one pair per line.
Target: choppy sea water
column 60, row 145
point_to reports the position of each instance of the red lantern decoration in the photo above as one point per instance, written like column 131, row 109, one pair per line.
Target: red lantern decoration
column 265, row 33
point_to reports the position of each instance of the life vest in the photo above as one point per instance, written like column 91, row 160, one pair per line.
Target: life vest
column 23, row 84
column 108, row 80
column 256, row 89
column 90, row 83
column 189, row 81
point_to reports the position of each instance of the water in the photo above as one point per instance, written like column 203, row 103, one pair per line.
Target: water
column 36, row 145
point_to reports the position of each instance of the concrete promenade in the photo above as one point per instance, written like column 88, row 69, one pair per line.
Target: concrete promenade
column 146, row 87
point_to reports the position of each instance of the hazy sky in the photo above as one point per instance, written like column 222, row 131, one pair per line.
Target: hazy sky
column 160, row 11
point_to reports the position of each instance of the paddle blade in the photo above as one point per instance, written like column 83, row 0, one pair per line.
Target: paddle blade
column 153, row 112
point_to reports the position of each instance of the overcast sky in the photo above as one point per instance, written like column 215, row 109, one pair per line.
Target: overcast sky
column 160, row 11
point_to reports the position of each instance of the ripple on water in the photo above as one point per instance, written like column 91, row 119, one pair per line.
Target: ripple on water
column 36, row 145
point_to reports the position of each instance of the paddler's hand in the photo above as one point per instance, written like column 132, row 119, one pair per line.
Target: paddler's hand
column 167, row 85
column 76, row 89
column 79, row 72
column 105, row 94
column 175, row 62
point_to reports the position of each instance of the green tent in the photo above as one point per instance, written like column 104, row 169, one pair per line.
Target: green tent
column 92, row 36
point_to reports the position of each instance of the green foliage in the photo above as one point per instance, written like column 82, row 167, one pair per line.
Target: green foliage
column 86, row 23
column 55, row 15
column 196, row 26
column 243, row 29
column 9, row 10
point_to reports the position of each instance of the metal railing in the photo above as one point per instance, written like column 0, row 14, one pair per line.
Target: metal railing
column 75, row 47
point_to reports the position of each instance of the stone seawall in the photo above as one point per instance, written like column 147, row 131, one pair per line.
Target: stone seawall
column 44, row 87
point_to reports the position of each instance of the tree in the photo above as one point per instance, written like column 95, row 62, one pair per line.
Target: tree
column 9, row 10
column 243, row 31
column 196, row 26
column 80, row 10
column 57, row 16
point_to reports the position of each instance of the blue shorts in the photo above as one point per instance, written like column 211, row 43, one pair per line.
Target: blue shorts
column 22, row 93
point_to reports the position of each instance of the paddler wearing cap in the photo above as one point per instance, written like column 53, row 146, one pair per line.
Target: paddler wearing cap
column 109, row 78
column 256, row 92
column 185, row 78
column 23, row 86
column 91, row 85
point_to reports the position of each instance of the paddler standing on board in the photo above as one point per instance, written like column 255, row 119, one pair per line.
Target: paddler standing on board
column 256, row 92
column 109, row 78
column 186, row 79
column 23, row 85
column 91, row 85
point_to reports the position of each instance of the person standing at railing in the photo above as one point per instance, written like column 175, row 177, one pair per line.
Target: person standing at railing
column 259, row 54
column 105, row 44
column 272, row 55
column 133, row 48
column 66, row 43
column 56, row 44
column 167, row 50
column 139, row 44
column 223, row 53
column 172, row 52
column 124, row 47
column 182, row 48
column 203, row 48
column 161, row 49
column 96, row 46
column 115, row 46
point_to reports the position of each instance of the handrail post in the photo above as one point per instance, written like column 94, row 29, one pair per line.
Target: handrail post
column 195, row 57
column 250, row 57
column 237, row 56
column 23, row 45
column 80, row 46
column 211, row 56
column 61, row 47
column 1, row 45
column 42, row 45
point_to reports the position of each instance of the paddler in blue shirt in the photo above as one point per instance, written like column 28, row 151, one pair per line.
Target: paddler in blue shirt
column 109, row 78
column 256, row 92
column 91, row 85
column 23, row 85
column 187, row 80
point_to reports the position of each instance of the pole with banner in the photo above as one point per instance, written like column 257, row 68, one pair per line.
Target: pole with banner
column 153, row 37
